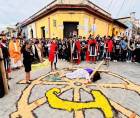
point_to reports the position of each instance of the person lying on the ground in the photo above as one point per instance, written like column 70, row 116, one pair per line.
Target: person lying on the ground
column 84, row 73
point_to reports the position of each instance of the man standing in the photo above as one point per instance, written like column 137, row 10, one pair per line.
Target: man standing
column 117, row 50
column 123, row 44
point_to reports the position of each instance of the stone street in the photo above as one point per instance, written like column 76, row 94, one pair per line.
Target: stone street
column 122, row 93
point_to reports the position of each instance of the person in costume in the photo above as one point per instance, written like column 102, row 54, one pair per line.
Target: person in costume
column 84, row 73
column 15, row 54
column 53, row 56
column 108, row 49
column 83, row 48
column 27, row 60
column 91, row 50
column 76, row 51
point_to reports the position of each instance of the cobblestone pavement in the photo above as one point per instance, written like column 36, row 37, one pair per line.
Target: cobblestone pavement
column 127, row 98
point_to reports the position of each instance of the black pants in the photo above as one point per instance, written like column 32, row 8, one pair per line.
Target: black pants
column 137, row 53
column 83, row 54
column 117, row 55
column 123, row 55
column 101, row 56
column 60, row 54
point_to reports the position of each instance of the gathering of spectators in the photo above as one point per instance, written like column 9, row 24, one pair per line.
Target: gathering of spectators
column 19, row 52
column 92, row 49
column 73, row 49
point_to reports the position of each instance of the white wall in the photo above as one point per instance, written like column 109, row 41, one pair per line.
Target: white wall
column 25, row 31
column 33, row 27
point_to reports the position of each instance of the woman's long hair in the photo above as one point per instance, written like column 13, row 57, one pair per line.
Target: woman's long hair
column 24, row 46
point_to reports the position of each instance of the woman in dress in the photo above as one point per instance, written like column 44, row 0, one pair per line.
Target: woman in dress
column 27, row 59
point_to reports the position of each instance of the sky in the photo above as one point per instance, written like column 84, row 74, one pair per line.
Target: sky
column 13, row 11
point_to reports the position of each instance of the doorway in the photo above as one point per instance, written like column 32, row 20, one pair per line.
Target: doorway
column 31, row 33
column 70, row 29
column 43, row 32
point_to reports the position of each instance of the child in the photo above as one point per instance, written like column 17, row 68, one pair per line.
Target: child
column 27, row 59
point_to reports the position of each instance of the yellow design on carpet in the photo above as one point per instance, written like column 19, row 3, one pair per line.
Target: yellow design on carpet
column 100, row 103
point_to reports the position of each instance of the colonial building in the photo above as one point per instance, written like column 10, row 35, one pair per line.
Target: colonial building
column 132, row 23
column 63, row 18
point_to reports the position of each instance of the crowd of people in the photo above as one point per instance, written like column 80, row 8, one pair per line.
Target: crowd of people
column 18, row 52
column 91, row 49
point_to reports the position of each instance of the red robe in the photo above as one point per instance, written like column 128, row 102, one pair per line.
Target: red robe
column 78, row 45
column 110, row 46
column 88, row 53
column 53, row 49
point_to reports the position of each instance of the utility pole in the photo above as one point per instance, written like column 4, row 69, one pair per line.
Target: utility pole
column 132, row 15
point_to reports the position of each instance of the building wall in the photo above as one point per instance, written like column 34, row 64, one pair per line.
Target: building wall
column 25, row 32
column 101, row 27
column 59, row 17
column 42, row 23
column 118, row 30
column 33, row 27
column 87, row 24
